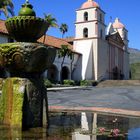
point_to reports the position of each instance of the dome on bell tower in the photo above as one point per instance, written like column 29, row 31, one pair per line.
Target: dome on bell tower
column 89, row 4
column 117, row 24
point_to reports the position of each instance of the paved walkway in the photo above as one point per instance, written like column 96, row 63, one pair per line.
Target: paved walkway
column 113, row 99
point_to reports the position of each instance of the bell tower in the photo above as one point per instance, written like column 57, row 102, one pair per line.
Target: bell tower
column 119, row 27
column 90, row 21
column 89, row 35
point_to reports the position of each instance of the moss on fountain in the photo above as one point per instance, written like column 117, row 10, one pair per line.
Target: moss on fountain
column 3, row 99
column 18, row 98
column 11, row 102
column 27, row 59
column 26, row 27
column 27, row 10
column 24, row 57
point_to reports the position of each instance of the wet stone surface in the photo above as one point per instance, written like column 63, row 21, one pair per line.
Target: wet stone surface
column 79, row 126
column 109, row 97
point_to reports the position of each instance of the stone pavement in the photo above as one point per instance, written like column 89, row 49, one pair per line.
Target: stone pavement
column 122, row 100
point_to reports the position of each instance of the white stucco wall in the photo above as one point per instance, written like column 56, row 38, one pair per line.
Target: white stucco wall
column 85, row 48
column 91, row 29
column 94, row 23
column 95, row 58
column 77, row 76
column 103, row 60
column 67, row 63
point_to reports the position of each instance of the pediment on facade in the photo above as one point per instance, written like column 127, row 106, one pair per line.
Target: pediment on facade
column 110, row 29
column 116, row 38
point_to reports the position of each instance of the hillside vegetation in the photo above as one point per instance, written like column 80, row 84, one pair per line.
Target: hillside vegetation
column 134, row 55
column 135, row 71
column 134, row 63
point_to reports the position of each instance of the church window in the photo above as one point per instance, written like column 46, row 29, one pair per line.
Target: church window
column 85, row 32
column 86, row 16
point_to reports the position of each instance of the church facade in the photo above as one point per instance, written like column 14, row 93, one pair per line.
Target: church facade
column 100, row 51
column 104, row 49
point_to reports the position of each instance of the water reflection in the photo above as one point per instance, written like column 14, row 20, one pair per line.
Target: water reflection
column 79, row 126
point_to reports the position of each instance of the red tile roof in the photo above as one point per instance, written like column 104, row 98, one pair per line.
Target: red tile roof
column 49, row 40
column 69, row 39
column 2, row 27
column 89, row 4
column 55, row 42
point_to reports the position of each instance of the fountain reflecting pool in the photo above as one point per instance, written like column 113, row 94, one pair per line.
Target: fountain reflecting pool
column 79, row 126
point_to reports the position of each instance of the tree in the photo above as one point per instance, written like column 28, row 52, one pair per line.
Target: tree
column 62, row 53
column 52, row 22
column 63, row 28
column 6, row 7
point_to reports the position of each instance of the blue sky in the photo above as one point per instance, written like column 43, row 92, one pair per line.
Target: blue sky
column 64, row 11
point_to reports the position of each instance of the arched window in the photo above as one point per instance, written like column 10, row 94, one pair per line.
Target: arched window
column 86, row 16
column 85, row 32
column 52, row 73
column 65, row 73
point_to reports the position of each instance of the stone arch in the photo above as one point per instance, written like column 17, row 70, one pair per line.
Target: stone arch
column 86, row 16
column 85, row 32
column 65, row 73
column 52, row 73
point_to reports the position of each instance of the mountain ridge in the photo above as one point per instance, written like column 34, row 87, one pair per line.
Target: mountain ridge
column 134, row 55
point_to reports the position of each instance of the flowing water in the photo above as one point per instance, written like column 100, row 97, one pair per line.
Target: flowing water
column 79, row 126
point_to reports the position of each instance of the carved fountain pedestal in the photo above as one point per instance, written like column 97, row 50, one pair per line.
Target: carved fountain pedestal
column 24, row 93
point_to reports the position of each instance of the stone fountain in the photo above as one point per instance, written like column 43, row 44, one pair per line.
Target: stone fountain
column 23, row 92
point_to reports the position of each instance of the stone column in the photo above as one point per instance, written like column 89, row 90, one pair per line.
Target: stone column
column 21, row 102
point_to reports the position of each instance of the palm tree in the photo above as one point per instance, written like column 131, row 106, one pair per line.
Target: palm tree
column 62, row 53
column 6, row 6
column 63, row 28
column 52, row 22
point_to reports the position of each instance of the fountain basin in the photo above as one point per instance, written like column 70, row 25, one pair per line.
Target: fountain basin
column 25, row 57
column 26, row 28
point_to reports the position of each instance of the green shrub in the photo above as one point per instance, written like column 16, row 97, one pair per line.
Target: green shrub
column 69, row 82
column 48, row 83
column 77, row 83
column 88, row 83
column 135, row 71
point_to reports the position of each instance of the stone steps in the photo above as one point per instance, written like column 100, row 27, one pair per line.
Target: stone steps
column 109, row 83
